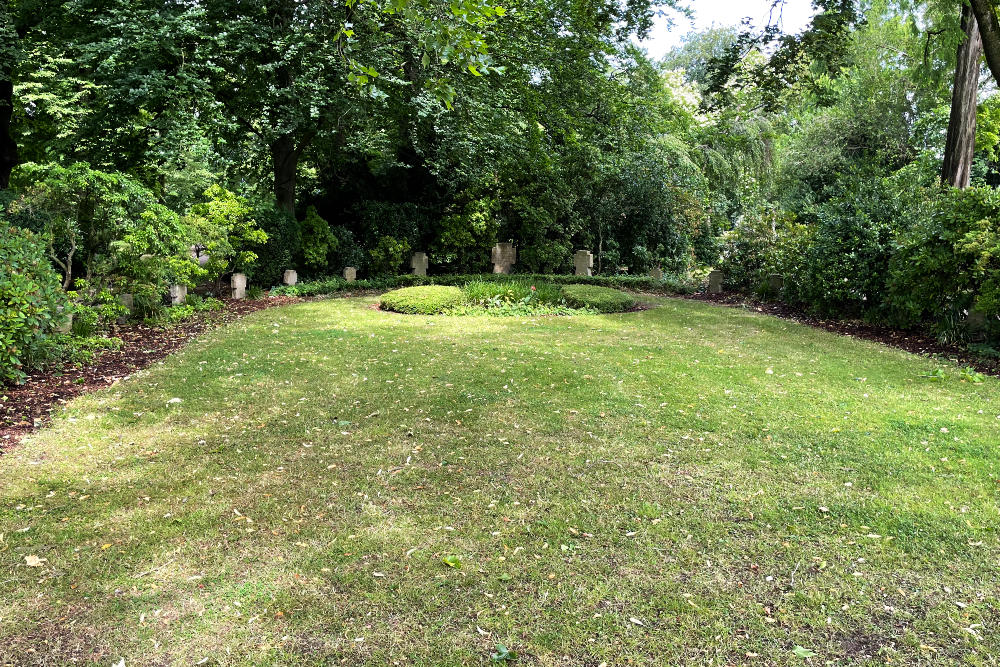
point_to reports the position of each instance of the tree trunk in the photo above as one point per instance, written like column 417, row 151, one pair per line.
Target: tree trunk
column 960, row 144
column 989, row 31
column 8, row 147
column 285, row 161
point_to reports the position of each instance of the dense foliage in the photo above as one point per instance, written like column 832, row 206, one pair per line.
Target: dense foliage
column 32, row 305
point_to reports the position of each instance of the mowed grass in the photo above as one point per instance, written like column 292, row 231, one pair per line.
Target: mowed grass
column 685, row 485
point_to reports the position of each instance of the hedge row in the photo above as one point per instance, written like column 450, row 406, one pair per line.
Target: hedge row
column 668, row 285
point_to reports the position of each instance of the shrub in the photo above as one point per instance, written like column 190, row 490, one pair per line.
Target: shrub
column 388, row 255
column 462, row 240
column 283, row 244
column 30, row 303
column 494, row 293
column 947, row 263
column 317, row 241
column 105, row 223
column 422, row 300
column 847, row 263
column 95, row 313
column 226, row 230
column 601, row 299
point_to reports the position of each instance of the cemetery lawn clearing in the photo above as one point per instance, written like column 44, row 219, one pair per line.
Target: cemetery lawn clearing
column 328, row 482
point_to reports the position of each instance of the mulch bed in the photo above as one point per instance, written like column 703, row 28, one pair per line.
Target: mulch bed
column 24, row 407
column 910, row 341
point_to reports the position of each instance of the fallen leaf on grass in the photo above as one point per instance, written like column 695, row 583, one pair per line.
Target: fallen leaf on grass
column 503, row 653
column 452, row 561
column 803, row 652
column 34, row 561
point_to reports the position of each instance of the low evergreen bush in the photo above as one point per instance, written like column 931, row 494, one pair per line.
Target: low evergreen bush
column 423, row 299
column 601, row 299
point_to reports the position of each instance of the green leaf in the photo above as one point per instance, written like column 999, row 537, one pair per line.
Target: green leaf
column 803, row 652
column 452, row 561
column 503, row 653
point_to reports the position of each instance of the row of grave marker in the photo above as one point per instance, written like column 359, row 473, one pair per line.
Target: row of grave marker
column 503, row 256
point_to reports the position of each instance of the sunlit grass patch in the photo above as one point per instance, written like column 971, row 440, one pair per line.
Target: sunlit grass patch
column 677, row 485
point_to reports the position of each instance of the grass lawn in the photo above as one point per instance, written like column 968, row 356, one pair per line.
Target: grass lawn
column 688, row 484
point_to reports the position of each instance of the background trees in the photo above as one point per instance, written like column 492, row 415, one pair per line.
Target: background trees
column 352, row 134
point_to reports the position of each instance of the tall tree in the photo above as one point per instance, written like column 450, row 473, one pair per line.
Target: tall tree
column 960, row 144
column 9, row 44
column 288, row 71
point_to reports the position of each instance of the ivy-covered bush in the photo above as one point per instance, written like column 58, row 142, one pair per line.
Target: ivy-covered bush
column 282, row 248
column 32, row 303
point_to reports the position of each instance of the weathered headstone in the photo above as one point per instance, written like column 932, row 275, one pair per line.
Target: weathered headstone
column 976, row 321
column 775, row 282
column 238, row 284
column 128, row 301
column 178, row 293
column 656, row 273
column 504, row 256
column 291, row 277
column 350, row 274
column 419, row 263
column 66, row 325
column 583, row 262
column 715, row 282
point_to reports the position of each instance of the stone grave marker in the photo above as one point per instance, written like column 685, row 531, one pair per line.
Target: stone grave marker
column 775, row 282
column 656, row 273
column 504, row 256
column 238, row 284
column 419, row 263
column 178, row 293
column 67, row 324
column 291, row 277
column 128, row 301
column 583, row 262
column 715, row 282
column 350, row 274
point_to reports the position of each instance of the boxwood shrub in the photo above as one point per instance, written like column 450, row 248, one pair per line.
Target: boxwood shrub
column 423, row 299
column 601, row 299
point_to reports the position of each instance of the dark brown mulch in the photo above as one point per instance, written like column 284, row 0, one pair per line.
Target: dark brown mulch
column 910, row 341
column 26, row 406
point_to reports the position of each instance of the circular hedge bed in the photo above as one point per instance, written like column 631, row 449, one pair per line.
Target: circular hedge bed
column 423, row 300
column 601, row 299
column 506, row 298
